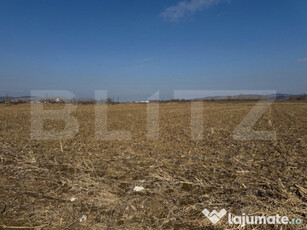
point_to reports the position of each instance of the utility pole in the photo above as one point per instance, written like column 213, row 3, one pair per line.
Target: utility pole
column 7, row 99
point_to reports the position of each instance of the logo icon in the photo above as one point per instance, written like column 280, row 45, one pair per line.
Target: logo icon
column 214, row 216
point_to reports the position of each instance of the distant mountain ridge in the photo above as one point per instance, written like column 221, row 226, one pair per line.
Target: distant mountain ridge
column 277, row 97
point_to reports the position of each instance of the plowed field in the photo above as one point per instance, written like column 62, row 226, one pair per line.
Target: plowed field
column 180, row 176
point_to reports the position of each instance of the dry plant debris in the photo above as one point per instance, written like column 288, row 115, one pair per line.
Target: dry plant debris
column 52, row 184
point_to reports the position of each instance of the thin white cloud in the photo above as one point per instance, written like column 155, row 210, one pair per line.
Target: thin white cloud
column 302, row 60
column 186, row 8
column 144, row 62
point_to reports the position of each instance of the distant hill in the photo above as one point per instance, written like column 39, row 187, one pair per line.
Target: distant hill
column 15, row 99
column 277, row 97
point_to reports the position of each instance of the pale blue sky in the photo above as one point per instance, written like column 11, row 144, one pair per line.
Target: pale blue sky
column 134, row 48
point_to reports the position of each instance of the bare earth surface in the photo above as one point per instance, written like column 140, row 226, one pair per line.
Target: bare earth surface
column 181, row 176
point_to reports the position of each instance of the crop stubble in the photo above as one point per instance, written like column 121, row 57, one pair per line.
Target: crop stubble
column 181, row 176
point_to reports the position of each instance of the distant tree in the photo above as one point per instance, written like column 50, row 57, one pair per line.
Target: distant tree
column 110, row 100
column 20, row 101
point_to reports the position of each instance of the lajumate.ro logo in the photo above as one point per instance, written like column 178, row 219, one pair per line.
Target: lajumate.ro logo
column 244, row 219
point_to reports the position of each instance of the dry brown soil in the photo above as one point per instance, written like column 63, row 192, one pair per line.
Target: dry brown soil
column 181, row 176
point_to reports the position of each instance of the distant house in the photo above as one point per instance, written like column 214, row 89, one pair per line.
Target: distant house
column 57, row 100
column 142, row 102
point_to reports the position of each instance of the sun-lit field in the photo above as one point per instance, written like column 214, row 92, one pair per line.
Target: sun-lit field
column 180, row 176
